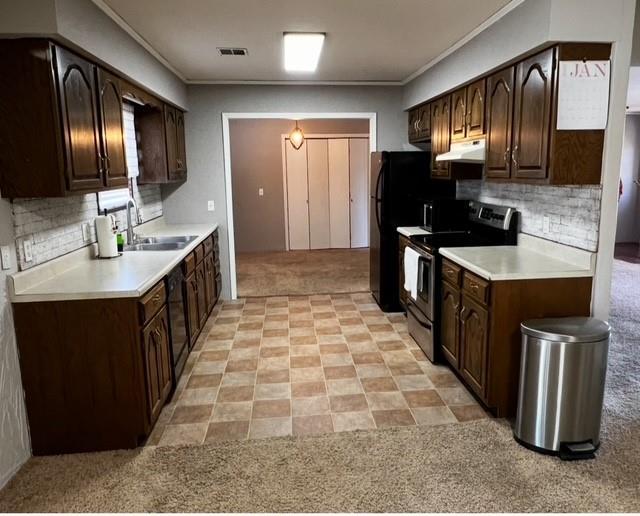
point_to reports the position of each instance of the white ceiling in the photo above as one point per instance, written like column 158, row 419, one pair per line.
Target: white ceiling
column 367, row 40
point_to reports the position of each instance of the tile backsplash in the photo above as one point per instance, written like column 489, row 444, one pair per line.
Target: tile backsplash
column 573, row 211
column 54, row 226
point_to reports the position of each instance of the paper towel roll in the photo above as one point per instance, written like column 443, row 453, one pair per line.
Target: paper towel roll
column 107, row 237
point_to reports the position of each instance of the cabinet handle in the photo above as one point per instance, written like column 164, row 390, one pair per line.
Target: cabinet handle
column 464, row 309
column 506, row 155
column 107, row 161
column 474, row 287
column 101, row 163
column 156, row 298
column 514, row 157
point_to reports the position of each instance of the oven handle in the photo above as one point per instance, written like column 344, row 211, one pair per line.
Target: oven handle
column 418, row 318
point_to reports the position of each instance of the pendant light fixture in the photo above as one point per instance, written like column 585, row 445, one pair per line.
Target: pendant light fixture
column 296, row 137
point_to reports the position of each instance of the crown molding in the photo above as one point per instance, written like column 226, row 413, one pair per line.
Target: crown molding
column 298, row 83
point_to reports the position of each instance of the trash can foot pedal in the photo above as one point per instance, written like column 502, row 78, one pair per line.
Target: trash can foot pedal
column 577, row 451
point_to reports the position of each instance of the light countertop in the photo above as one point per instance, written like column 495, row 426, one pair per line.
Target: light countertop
column 78, row 276
column 519, row 262
column 410, row 231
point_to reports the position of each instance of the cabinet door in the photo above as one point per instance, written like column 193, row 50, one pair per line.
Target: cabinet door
column 474, row 339
column 436, row 109
column 201, row 279
column 79, row 116
column 424, row 122
column 499, row 122
column 532, row 115
column 444, row 137
column 412, row 124
column 170, row 132
column 475, row 108
column 450, row 331
column 111, row 129
column 210, row 284
column 181, row 150
column 191, row 289
column 459, row 114
column 157, row 363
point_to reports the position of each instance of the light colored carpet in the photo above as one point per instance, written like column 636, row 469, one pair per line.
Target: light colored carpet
column 464, row 467
column 324, row 271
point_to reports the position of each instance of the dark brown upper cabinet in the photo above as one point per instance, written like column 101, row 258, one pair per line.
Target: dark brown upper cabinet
column 467, row 111
column 81, row 131
column 419, row 124
column 61, row 132
column 162, row 143
column 531, row 117
column 113, row 154
column 440, row 135
column 499, row 122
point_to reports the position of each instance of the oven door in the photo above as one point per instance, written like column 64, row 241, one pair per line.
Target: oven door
column 426, row 285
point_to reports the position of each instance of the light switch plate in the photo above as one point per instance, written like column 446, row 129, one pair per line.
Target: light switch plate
column 27, row 248
column 211, row 206
column 546, row 227
column 86, row 232
column 5, row 254
column 260, row 192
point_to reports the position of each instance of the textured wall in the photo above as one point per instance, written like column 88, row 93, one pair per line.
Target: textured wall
column 628, row 226
column 188, row 202
column 574, row 212
column 14, row 434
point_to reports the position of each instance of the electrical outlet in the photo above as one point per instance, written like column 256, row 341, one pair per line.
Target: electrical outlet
column 86, row 232
column 5, row 253
column 546, row 226
column 260, row 192
column 27, row 248
column 140, row 215
column 211, row 206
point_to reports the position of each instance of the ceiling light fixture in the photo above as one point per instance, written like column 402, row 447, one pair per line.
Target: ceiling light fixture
column 302, row 51
column 296, row 137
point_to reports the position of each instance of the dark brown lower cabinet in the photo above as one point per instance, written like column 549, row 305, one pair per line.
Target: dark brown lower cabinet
column 449, row 329
column 96, row 373
column 474, row 336
column 403, row 242
column 210, row 284
column 480, row 327
column 157, row 363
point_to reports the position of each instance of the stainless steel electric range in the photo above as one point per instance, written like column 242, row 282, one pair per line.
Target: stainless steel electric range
column 488, row 225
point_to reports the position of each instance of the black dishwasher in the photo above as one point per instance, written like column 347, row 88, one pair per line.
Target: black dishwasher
column 177, row 321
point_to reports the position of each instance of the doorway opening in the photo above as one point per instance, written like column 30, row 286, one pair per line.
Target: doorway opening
column 298, row 217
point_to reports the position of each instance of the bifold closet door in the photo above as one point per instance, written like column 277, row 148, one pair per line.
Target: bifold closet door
column 297, row 196
column 358, row 186
column 318, row 170
column 339, row 193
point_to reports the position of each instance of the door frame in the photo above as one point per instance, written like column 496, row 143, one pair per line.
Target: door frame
column 226, row 148
column 283, row 143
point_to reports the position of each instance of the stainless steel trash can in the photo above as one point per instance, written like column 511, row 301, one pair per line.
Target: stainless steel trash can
column 562, row 375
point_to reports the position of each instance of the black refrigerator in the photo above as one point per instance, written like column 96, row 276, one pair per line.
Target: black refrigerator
column 400, row 182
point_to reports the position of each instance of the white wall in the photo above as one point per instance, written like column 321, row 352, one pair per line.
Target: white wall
column 15, row 447
column 529, row 26
column 188, row 202
column 628, row 224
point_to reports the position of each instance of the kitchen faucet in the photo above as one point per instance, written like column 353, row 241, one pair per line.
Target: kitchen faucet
column 131, row 236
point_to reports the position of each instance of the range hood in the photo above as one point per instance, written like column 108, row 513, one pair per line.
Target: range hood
column 472, row 151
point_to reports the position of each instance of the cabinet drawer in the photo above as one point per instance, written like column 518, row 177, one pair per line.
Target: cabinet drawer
column 208, row 245
column 152, row 301
column 199, row 252
column 451, row 272
column 189, row 264
column 476, row 287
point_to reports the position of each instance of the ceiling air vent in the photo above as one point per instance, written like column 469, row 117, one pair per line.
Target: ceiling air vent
column 231, row 51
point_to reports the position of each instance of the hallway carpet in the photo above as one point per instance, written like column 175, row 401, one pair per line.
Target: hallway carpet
column 475, row 466
column 288, row 273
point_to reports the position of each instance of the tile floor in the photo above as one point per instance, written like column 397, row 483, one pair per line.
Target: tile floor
column 304, row 365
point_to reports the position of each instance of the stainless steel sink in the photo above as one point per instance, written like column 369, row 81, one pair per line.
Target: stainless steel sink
column 166, row 239
column 159, row 246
